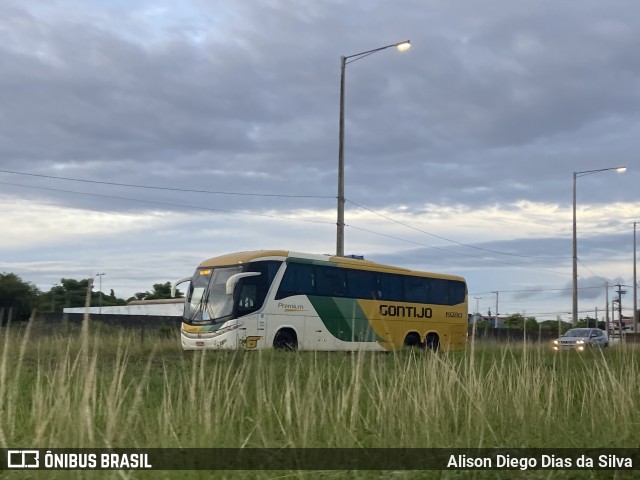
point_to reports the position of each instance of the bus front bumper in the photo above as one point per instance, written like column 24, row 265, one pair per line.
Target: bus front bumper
column 225, row 338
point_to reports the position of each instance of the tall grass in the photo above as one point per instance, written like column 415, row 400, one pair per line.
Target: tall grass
column 112, row 390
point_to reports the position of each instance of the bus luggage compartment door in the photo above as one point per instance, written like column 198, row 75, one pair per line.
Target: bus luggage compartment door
column 251, row 332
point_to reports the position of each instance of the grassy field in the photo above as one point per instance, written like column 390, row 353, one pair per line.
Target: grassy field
column 109, row 389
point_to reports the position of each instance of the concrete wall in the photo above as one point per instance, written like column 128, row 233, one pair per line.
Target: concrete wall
column 156, row 308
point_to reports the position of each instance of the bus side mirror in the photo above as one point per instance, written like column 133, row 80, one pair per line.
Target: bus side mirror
column 234, row 279
column 174, row 287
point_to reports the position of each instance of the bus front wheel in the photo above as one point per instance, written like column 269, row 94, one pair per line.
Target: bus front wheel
column 286, row 339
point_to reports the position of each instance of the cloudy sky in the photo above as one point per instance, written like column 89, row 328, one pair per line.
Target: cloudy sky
column 138, row 138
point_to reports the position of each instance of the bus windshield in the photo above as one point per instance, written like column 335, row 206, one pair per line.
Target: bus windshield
column 207, row 299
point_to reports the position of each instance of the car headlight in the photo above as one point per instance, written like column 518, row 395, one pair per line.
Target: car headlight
column 555, row 342
column 580, row 342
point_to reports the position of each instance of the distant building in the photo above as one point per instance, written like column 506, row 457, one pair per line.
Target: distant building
column 476, row 317
column 626, row 323
column 172, row 307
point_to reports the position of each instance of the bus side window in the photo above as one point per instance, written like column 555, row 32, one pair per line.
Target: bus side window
column 457, row 291
column 362, row 284
column 440, row 294
column 447, row 292
column 416, row 289
column 391, row 287
column 299, row 279
column 331, row 282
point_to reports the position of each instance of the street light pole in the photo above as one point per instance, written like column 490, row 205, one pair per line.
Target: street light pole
column 344, row 60
column 574, row 305
column 100, row 293
column 53, row 297
column 477, row 305
column 636, row 324
column 574, row 310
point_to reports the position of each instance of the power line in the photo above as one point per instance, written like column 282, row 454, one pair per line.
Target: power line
column 172, row 204
column 150, row 187
column 277, row 217
column 272, row 216
column 525, row 290
column 456, row 253
column 590, row 271
column 268, row 195
column 386, row 217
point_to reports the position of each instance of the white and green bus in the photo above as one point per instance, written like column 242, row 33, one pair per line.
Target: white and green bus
column 297, row 301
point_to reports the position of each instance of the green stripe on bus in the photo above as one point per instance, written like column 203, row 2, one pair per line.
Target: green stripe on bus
column 344, row 319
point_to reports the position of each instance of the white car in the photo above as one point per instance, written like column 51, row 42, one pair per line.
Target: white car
column 582, row 338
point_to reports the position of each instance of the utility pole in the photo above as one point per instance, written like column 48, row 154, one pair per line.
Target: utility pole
column 496, row 324
column 606, row 308
column 477, row 312
column 620, row 293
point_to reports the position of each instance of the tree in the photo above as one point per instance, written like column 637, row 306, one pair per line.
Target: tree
column 17, row 295
column 73, row 293
column 589, row 322
column 53, row 300
column 160, row 291
column 519, row 321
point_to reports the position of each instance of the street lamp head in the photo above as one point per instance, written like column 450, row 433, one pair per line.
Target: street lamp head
column 620, row 169
column 402, row 46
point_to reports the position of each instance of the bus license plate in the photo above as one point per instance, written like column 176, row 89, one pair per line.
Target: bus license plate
column 199, row 344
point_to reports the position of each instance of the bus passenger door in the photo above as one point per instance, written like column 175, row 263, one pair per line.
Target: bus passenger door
column 252, row 324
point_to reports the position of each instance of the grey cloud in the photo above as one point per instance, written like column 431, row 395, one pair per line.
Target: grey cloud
column 482, row 91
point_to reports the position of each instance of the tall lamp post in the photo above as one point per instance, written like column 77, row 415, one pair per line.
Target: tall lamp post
column 100, row 293
column 636, row 323
column 574, row 317
column 343, row 63
column 53, row 297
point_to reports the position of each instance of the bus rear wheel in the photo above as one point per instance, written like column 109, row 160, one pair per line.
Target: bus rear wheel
column 286, row 339
column 412, row 340
column 432, row 342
